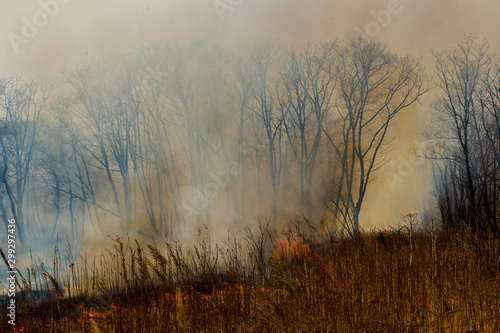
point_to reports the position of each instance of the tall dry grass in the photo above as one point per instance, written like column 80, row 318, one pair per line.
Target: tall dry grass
column 301, row 280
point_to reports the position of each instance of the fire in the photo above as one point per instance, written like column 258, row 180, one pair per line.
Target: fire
column 291, row 248
column 171, row 297
column 93, row 314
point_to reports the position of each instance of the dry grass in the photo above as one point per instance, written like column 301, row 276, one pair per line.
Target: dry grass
column 302, row 281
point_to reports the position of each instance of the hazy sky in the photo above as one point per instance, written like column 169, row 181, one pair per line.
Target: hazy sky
column 43, row 37
column 81, row 30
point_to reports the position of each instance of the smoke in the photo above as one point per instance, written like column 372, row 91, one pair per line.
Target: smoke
column 80, row 31
column 41, row 38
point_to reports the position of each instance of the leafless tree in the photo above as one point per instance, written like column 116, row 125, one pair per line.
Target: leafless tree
column 22, row 102
column 100, row 90
column 374, row 85
column 467, row 112
column 304, row 95
column 242, row 93
column 264, row 58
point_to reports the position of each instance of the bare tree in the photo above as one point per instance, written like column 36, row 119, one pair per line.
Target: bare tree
column 304, row 95
column 242, row 93
column 462, row 74
column 374, row 85
column 489, row 126
column 264, row 60
column 100, row 90
column 70, row 181
column 22, row 102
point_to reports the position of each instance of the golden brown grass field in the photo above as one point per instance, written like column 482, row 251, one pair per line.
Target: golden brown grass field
column 298, row 281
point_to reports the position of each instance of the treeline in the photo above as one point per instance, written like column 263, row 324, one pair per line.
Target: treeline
column 181, row 134
column 466, row 138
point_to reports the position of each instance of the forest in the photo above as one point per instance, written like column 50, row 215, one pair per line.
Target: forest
column 183, row 134
column 252, row 169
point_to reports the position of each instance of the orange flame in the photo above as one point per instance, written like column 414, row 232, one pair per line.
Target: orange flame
column 291, row 248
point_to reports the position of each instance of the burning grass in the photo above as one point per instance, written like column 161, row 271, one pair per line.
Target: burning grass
column 301, row 281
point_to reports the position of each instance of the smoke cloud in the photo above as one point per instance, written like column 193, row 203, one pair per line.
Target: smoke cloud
column 42, row 38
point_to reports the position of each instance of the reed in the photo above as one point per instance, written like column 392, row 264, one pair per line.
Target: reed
column 298, row 280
